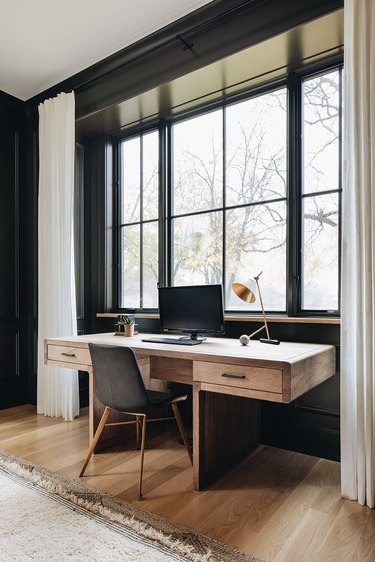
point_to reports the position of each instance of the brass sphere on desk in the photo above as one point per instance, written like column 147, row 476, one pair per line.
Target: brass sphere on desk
column 244, row 339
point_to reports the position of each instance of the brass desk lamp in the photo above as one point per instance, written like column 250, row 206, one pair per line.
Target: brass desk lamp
column 246, row 292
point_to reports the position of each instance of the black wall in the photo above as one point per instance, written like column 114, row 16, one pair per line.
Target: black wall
column 13, row 254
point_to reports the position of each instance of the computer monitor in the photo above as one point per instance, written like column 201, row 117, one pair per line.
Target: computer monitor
column 195, row 309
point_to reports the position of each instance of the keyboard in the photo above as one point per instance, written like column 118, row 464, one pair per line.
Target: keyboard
column 177, row 341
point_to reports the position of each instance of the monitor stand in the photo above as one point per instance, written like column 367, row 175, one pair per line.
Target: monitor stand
column 194, row 337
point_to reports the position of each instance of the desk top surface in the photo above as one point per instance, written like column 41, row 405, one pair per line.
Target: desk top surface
column 286, row 352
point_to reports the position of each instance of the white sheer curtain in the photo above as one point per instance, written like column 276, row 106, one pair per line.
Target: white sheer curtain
column 358, row 257
column 57, row 388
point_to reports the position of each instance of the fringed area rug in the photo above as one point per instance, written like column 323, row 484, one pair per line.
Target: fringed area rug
column 47, row 517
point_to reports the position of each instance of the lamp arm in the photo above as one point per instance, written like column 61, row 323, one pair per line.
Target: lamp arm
column 261, row 304
column 257, row 331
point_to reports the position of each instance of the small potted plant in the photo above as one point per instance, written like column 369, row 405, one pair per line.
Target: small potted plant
column 126, row 325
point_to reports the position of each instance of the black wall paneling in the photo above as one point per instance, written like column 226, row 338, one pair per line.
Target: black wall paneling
column 79, row 229
column 101, row 191
column 9, row 222
column 9, row 355
column 13, row 255
column 32, row 252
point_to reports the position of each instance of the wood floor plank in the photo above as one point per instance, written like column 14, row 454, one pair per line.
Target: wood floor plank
column 367, row 547
column 286, row 516
column 326, row 477
column 306, row 538
column 346, row 536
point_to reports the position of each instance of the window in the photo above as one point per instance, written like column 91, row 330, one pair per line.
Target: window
column 139, row 221
column 227, row 199
column 232, row 163
column 197, row 196
column 321, row 192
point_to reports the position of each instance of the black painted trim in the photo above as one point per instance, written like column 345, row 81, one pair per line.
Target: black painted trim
column 163, row 174
column 294, row 186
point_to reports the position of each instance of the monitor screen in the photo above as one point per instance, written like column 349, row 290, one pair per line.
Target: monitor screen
column 194, row 309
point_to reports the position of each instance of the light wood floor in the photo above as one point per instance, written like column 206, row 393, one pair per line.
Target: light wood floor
column 279, row 505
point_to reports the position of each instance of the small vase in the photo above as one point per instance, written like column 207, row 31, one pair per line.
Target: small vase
column 129, row 330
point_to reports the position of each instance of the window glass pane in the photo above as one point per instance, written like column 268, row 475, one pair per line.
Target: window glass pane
column 321, row 112
column 197, row 247
column 130, row 180
column 256, row 241
column 256, row 149
column 198, row 163
column 151, row 176
column 130, row 290
column 150, row 264
column 320, row 253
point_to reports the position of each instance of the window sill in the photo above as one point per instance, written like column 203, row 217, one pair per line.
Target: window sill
column 247, row 318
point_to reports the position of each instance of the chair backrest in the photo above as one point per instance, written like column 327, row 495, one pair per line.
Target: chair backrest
column 117, row 379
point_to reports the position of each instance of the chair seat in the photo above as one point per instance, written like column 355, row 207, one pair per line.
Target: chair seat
column 159, row 399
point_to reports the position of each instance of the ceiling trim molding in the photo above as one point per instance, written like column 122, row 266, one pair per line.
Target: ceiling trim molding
column 215, row 30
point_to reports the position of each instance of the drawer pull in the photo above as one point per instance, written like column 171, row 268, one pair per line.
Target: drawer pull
column 230, row 376
column 68, row 354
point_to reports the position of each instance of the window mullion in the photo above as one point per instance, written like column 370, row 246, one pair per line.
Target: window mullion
column 118, row 231
column 141, row 222
column 169, row 252
column 163, row 187
column 224, row 281
column 340, row 179
column 294, row 120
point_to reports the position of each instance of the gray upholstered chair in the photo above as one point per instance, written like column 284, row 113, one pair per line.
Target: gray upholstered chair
column 119, row 386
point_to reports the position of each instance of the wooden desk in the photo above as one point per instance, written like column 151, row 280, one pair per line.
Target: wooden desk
column 228, row 381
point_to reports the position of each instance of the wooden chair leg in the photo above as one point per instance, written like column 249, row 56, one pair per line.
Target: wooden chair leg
column 142, row 457
column 181, row 427
column 96, row 439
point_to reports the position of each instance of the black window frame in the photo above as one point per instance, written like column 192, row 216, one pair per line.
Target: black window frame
column 295, row 187
column 139, row 132
column 293, row 82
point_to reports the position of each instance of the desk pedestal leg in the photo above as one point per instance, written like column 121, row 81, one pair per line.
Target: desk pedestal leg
column 225, row 430
column 198, row 436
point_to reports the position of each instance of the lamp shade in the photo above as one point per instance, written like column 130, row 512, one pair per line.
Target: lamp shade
column 245, row 291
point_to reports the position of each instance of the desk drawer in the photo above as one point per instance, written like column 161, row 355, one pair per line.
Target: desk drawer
column 255, row 378
column 67, row 354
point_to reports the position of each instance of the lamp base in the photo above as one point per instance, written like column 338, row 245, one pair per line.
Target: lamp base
column 266, row 340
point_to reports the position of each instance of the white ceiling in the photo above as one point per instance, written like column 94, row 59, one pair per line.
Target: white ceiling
column 42, row 42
